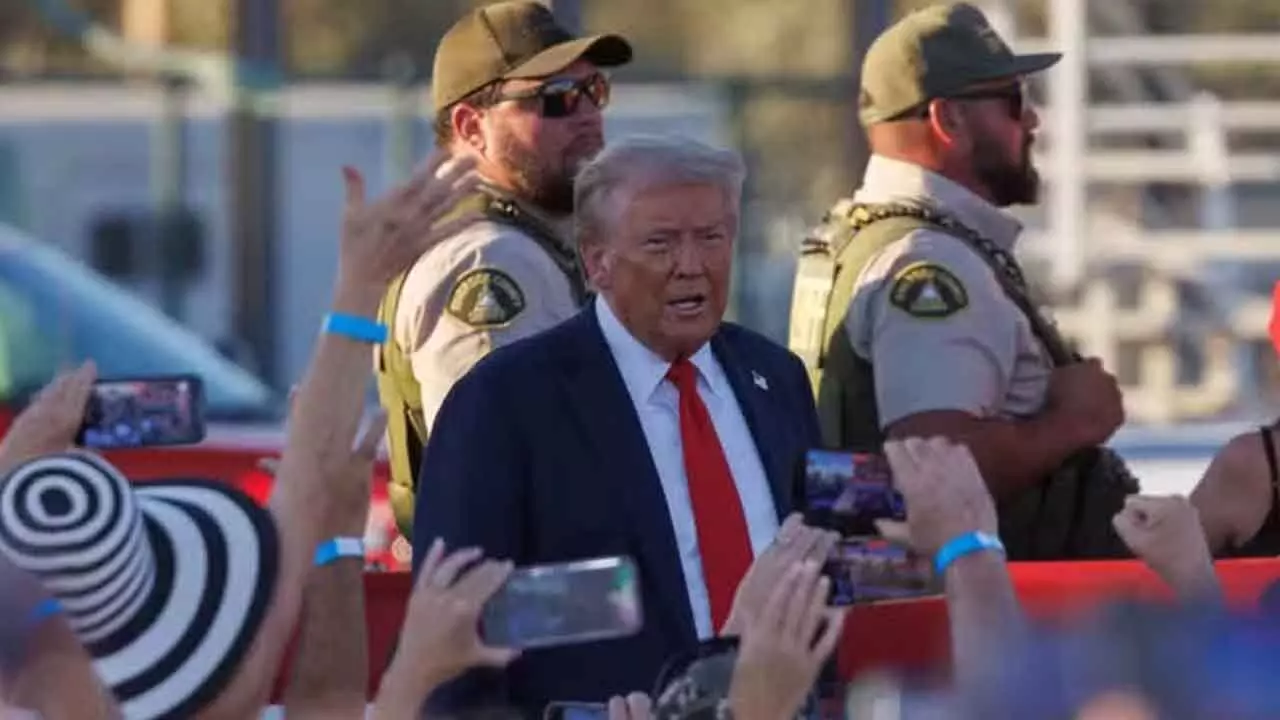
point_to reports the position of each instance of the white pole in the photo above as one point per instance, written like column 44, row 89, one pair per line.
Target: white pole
column 1067, row 112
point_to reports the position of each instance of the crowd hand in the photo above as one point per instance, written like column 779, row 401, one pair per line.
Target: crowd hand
column 381, row 239
column 50, row 423
column 1089, row 397
column 794, row 544
column 636, row 706
column 783, row 648
column 440, row 640
column 1165, row 533
column 943, row 489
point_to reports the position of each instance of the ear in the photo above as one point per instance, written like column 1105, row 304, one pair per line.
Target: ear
column 467, row 125
column 597, row 261
column 947, row 122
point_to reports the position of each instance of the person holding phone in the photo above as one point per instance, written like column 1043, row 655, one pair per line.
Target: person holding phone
column 644, row 426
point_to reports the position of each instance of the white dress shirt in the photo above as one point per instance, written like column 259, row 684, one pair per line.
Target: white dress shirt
column 657, row 404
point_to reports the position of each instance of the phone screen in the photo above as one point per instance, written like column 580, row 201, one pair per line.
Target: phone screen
column 575, row 711
column 143, row 412
column 848, row 492
column 563, row 604
column 871, row 569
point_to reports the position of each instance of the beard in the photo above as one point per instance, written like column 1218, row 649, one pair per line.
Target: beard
column 1009, row 181
column 545, row 182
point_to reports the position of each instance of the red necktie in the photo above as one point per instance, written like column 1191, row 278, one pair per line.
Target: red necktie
column 723, row 541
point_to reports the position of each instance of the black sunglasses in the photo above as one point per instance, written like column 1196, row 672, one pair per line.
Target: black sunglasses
column 560, row 98
column 1014, row 96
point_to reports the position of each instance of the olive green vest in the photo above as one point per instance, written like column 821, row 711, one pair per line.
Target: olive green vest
column 1069, row 514
column 398, row 389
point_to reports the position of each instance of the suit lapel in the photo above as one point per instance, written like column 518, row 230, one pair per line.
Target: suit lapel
column 756, row 393
column 608, row 421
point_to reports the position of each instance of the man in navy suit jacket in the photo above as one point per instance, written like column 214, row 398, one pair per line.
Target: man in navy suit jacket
column 583, row 441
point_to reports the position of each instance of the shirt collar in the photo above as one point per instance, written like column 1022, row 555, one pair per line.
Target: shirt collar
column 642, row 369
column 890, row 180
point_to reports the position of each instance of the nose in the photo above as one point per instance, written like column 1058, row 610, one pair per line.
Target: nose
column 688, row 258
column 1030, row 118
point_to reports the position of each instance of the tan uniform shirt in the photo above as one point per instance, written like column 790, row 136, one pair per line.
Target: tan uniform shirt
column 930, row 315
column 485, row 287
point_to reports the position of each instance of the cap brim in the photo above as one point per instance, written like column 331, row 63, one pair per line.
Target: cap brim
column 1034, row 63
column 600, row 50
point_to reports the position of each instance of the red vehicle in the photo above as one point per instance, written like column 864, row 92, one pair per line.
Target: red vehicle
column 54, row 311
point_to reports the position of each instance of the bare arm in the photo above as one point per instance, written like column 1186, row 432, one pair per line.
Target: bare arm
column 331, row 667
column 1011, row 454
column 330, row 403
column 1234, row 496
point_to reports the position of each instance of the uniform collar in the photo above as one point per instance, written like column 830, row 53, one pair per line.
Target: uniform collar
column 890, row 180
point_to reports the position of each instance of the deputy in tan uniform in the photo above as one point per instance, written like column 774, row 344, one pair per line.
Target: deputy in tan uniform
column 912, row 313
column 517, row 92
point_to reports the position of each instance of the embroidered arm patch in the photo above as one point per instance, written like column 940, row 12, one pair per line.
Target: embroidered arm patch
column 486, row 298
column 928, row 290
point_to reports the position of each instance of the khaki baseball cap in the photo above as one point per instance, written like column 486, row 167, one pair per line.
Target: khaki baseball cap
column 508, row 40
column 935, row 52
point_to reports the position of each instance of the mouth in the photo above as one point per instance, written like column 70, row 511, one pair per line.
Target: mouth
column 688, row 305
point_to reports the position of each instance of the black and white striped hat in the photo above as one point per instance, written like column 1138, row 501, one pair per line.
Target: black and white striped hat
column 165, row 583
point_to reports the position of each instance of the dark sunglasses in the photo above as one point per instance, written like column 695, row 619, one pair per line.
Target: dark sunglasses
column 560, row 98
column 1013, row 95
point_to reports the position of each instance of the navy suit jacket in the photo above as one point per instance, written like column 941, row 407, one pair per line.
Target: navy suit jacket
column 537, row 456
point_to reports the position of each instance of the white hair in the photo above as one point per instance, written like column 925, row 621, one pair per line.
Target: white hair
column 643, row 162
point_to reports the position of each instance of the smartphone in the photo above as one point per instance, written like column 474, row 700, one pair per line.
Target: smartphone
column 144, row 412
column 575, row 711
column 847, row 492
column 565, row 604
column 873, row 569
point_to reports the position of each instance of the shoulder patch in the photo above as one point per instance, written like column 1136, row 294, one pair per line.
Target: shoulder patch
column 928, row 290
column 486, row 298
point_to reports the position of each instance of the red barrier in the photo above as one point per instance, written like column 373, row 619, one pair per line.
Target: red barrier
column 911, row 634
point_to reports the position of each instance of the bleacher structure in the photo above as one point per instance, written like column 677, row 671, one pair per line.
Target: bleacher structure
column 1157, row 237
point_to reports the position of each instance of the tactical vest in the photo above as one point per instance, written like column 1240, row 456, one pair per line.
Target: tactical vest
column 1068, row 515
column 398, row 389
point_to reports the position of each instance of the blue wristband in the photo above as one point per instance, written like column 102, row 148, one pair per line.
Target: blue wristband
column 339, row 547
column 46, row 609
column 356, row 328
column 965, row 544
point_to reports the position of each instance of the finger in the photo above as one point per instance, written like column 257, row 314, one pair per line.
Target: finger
column 354, row 184
column 903, row 465
column 424, row 210
column 789, row 528
column 618, row 709
column 811, row 617
column 894, row 530
column 796, row 612
column 370, row 436
column 640, row 706
column 451, row 566
column 821, row 550
column 483, row 581
column 496, row 657
column 831, row 633
column 771, row 616
column 431, row 562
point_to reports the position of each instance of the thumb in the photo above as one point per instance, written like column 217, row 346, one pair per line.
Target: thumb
column 497, row 657
column 354, row 183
